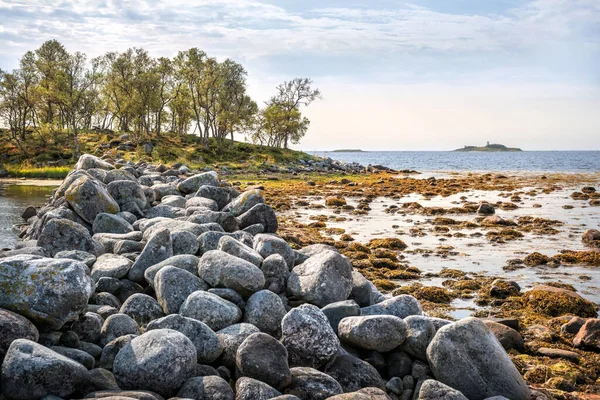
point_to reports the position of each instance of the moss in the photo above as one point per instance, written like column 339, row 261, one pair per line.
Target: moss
column 390, row 244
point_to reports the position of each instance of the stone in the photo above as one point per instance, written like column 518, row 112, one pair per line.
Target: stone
column 591, row 238
column 353, row 374
column 110, row 266
column 311, row 384
column 193, row 183
column 115, row 326
column 554, row 302
column 308, row 337
column 119, row 175
column 276, row 273
column 229, row 295
column 47, row 291
column 160, row 360
column 220, row 269
column 173, row 201
column 486, row 209
column 264, row 358
column 231, row 338
column 420, row 332
column 207, row 343
column 466, row 356
column 61, row 234
column 211, row 309
column 83, row 256
column 88, row 161
column 435, row 390
column 14, row 326
column 589, row 335
column 88, row 327
column 173, row 225
column 158, row 248
column 80, row 356
column 88, row 198
column 322, row 279
column 110, row 223
column 219, row 195
column 374, row 332
column 573, row 326
column 260, row 214
column 559, row 353
column 508, row 337
column 184, row 243
column 252, row 389
column 127, row 193
column 173, row 286
column 244, row 202
column 186, row 262
column 266, row 245
column 400, row 306
column 238, row 249
column 142, row 308
column 201, row 202
column 206, row 388
column 32, row 371
column 29, row 212
column 399, row 364
column 111, row 349
column 363, row 291
column 265, row 310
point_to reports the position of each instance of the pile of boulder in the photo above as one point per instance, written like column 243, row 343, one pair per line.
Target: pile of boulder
column 140, row 282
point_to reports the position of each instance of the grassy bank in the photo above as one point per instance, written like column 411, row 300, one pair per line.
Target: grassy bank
column 53, row 157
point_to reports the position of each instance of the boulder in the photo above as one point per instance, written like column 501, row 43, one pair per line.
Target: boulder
column 353, row 374
column 14, row 326
column 400, row 306
column 117, row 325
column 186, row 262
column 508, row 337
column 127, row 193
column 32, row 371
column 420, row 332
column 88, row 198
column 238, row 249
column 276, row 273
column 436, row 390
column 322, row 279
column 244, row 202
column 193, row 183
column 110, row 266
column 264, row 358
column 211, row 309
column 158, row 248
column 265, row 310
column 589, row 335
column 160, row 360
column 311, row 384
column 554, row 302
column 373, row 332
column 231, row 338
column 207, row 343
column 205, row 388
column 142, row 308
column 110, row 223
column 61, row 234
column 260, row 214
column 308, row 337
column 88, row 161
column 486, row 209
column 184, row 243
column 201, row 202
column 219, row 195
column 173, row 286
column 88, row 327
column 252, row 389
column 48, row 291
column 220, row 269
column 591, row 238
column 335, row 312
column 466, row 356
column 267, row 245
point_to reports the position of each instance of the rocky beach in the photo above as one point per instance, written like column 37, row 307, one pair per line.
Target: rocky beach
column 322, row 280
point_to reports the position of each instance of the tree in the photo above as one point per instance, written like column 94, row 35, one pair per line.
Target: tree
column 49, row 61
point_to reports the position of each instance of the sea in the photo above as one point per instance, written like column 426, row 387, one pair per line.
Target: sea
column 432, row 161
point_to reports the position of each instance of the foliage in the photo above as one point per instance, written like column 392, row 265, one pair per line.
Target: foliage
column 55, row 95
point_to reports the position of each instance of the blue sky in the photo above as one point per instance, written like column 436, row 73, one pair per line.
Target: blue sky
column 422, row 74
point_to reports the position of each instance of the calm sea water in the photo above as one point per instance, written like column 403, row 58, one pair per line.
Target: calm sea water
column 551, row 161
column 13, row 201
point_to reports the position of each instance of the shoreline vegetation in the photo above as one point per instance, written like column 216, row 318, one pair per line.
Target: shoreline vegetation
column 494, row 147
column 348, row 151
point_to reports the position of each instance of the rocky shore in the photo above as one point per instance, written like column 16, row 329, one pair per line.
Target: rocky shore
column 146, row 282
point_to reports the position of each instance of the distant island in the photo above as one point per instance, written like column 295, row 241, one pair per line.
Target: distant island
column 489, row 147
column 348, row 151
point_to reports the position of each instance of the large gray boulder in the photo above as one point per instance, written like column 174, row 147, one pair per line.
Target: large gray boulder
column 48, row 291
column 205, row 388
column 308, row 337
column 32, row 371
column 354, row 374
column 261, row 214
column 400, row 306
column 142, row 308
column 265, row 310
column 252, row 389
column 88, row 198
column 160, row 360
column 381, row 333
column 466, row 356
column 186, row 262
column 436, row 390
column 276, row 273
column 110, row 223
column 88, row 161
column 111, row 266
column 264, row 358
column 207, row 343
column 244, row 202
column 311, row 384
column 211, row 309
column 219, row 195
column 158, row 248
column 238, row 249
column 193, row 183
column 14, row 326
column 127, row 193
column 335, row 312
column 420, row 332
column 231, row 338
column 322, row 279
column 59, row 234
column 220, row 269
column 266, row 245
column 115, row 326
column 173, row 286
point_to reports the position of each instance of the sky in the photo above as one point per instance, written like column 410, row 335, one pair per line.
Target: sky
column 395, row 75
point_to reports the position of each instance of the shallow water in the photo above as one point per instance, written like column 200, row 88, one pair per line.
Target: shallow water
column 427, row 161
column 14, row 198
column 477, row 254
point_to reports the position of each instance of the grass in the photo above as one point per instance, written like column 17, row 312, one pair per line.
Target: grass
column 41, row 172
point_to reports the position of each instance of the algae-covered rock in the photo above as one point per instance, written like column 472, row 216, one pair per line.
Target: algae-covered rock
column 554, row 302
column 46, row 290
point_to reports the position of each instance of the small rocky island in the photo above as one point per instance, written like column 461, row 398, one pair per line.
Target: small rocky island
column 490, row 148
